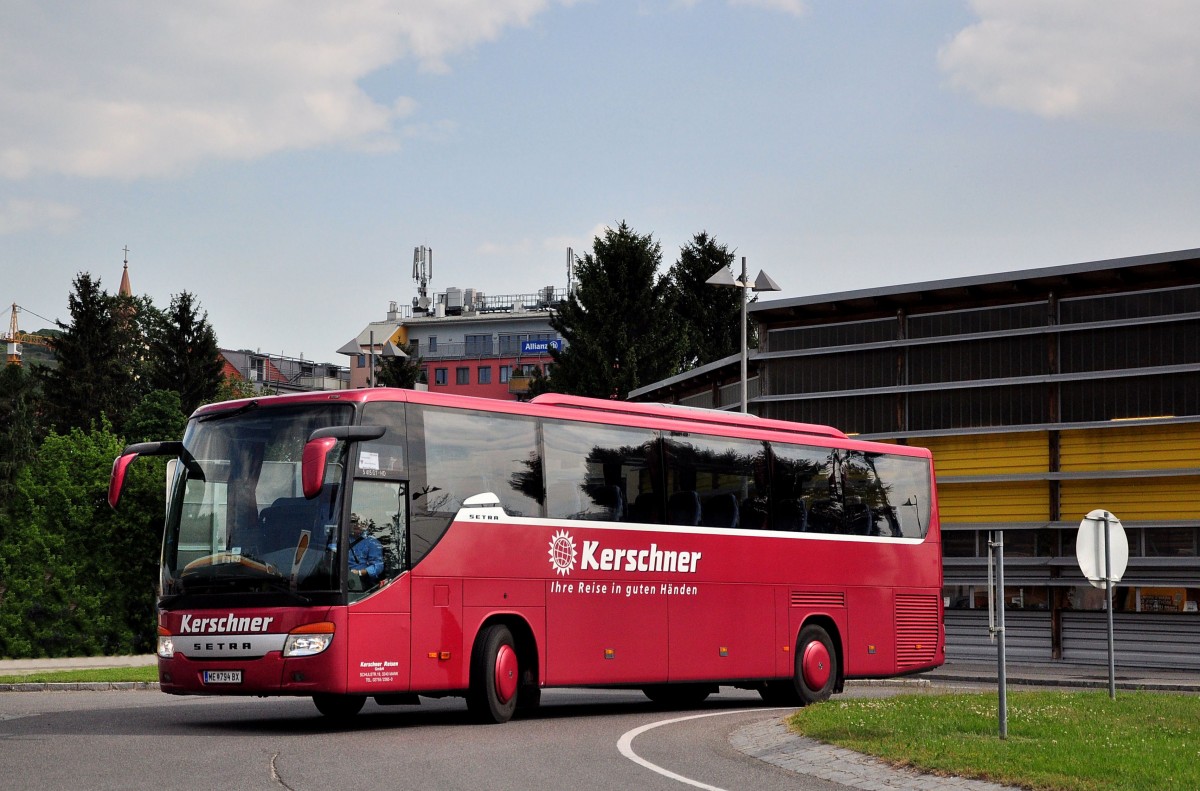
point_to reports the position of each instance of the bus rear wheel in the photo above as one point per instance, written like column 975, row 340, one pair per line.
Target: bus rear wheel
column 495, row 673
column 339, row 707
column 816, row 672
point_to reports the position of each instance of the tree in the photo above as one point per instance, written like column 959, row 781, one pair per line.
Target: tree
column 137, row 320
column 19, row 432
column 184, row 354
column 233, row 388
column 77, row 578
column 618, row 325
column 90, row 381
column 709, row 316
column 157, row 417
column 400, row 371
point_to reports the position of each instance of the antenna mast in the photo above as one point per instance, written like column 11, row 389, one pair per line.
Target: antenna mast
column 422, row 274
column 570, row 271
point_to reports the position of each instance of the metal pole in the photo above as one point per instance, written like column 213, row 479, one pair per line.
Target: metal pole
column 371, row 371
column 1108, row 586
column 1001, row 670
column 744, row 285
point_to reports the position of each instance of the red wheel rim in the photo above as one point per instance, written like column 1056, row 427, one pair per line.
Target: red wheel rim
column 815, row 665
column 506, row 673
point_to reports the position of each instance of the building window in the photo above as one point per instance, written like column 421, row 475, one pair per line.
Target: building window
column 440, row 376
column 505, row 373
column 362, row 361
column 432, row 343
column 484, row 377
column 478, row 345
column 510, row 344
column 462, row 376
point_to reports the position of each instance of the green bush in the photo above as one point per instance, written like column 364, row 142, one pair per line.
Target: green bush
column 77, row 578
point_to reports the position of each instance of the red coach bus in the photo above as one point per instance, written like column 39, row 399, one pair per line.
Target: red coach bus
column 563, row 542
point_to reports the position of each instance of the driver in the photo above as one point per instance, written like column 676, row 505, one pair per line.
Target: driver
column 365, row 555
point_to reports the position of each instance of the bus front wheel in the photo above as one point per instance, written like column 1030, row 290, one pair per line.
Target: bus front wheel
column 816, row 672
column 339, row 707
column 495, row 673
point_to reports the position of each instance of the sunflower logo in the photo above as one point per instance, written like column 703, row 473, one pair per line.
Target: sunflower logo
column 562, row 552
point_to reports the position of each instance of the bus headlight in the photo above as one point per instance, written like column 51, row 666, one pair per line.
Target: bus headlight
column 166, row 644
column 309, row 639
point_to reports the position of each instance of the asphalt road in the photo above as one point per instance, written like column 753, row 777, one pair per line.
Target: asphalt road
column 147, row 740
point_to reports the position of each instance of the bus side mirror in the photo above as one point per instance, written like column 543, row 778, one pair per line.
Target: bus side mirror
column 116, row 481
column 316, row 452
column 312, row 467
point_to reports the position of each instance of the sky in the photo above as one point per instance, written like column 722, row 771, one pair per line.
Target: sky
column 281, row 159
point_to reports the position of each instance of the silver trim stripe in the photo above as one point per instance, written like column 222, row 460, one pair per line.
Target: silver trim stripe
column 228, row 646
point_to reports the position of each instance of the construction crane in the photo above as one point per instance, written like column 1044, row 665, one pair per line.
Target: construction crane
column 15, row 338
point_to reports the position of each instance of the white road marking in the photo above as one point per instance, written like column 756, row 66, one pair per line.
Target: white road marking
column 625, row 744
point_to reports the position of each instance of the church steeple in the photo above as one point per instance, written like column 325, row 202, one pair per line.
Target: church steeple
column 125, row 290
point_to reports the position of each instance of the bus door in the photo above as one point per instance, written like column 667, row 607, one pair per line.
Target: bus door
column 722, row 624
column 379, row 621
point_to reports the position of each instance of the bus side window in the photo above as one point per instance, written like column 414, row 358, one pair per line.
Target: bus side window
column 601, row 473
column 458, row 453
column 805, row 489
column 721, row 473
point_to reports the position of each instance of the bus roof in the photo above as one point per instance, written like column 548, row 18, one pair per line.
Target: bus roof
column 697, row 416
column 691, row 414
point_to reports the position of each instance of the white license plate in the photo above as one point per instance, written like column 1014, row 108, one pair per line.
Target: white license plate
column 222, row 676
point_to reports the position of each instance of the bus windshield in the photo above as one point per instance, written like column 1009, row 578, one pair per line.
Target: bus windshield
column 238, row 521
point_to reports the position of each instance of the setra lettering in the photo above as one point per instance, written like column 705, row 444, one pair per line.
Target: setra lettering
column 232, row 646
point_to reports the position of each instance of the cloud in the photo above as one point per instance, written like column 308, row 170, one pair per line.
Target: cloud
column 1133, row 64
column 793, row 7
column 140, row 88
column 33, row 215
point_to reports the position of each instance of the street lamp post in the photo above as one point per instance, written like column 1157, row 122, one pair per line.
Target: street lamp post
column 723, row 277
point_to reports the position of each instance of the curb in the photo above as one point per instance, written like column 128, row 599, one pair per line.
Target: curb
column 79, row 686
column 1075, row 683
column 889, row 682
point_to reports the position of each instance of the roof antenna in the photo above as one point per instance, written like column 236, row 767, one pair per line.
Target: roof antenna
column 422, row 274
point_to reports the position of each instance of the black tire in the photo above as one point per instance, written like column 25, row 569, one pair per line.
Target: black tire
column 495, row 672
column 816, row 669
column 678, row 696
column 339, row 707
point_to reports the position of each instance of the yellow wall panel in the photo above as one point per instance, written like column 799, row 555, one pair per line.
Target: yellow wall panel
column 1131, row 448
column 988, row 454
column 1133, row 499
column 1022, row 501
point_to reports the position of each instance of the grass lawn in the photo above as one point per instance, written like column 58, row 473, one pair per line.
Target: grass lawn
column 147, row 673
column 1056, row 740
